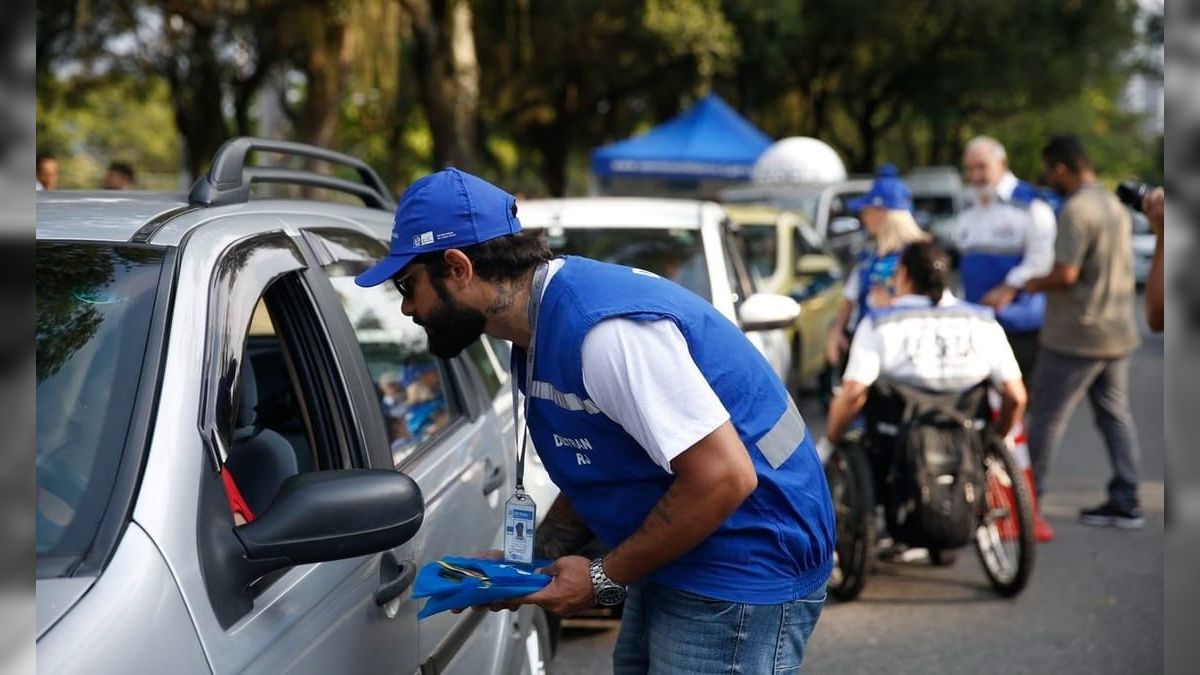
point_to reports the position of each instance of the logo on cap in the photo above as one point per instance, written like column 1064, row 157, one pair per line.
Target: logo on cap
column 423, row 239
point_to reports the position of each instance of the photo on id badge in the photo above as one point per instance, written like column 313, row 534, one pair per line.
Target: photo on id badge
column 519, row 515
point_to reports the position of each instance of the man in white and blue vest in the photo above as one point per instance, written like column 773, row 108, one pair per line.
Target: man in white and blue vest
column 1006, row 237
column 667, row 432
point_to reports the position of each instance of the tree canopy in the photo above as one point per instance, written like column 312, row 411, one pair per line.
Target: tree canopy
column 521, row 90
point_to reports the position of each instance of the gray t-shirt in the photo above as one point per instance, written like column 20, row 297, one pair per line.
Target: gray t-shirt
column 1095, row 317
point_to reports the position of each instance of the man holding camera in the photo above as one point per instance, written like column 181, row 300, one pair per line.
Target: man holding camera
column 1089, row 330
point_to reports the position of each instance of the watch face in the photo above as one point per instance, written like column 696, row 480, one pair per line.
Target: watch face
column 610, row 596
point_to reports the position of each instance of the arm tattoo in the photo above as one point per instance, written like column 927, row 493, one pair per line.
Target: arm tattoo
column 662, row 510
column 563, row 532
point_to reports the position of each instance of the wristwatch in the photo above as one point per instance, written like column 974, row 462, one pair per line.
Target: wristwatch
column 608, row 592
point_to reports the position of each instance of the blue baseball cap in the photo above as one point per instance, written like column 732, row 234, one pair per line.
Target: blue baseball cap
column 887, row 192
column 447, row 209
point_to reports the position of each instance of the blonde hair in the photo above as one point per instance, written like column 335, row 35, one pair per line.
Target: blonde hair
column 898, row 229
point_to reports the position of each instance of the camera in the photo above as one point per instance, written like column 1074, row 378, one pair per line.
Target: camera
column 1132, row 192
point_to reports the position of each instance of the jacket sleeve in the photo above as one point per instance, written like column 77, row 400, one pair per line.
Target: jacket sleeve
column 1039, row 246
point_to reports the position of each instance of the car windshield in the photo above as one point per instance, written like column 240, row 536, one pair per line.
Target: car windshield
column 676, row 254
column 937, row 206
column 760, row 243
column 94, row 305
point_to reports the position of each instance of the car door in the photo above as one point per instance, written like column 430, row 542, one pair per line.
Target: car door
column 443, row 434
column 772, row 343
column 276, row 401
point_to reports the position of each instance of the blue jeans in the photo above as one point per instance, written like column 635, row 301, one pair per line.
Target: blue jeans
column 665, row 631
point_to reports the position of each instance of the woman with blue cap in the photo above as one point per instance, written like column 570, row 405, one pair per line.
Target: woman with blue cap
column 886, row 213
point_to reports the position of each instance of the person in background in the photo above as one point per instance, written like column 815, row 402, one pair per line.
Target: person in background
column 1089, row 331
column 886, row 214
column 1006, row 237
column 1154, row 205
column 47, row 172
column 906, row 342
column 120, row 176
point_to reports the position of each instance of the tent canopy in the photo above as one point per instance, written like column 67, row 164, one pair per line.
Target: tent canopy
column 711, row 140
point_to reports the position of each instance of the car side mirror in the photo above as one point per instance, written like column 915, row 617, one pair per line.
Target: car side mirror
column 767, row 311
column 844, row 225
column 330, row 515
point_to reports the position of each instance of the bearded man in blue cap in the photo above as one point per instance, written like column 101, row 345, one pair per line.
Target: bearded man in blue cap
column 700, row 474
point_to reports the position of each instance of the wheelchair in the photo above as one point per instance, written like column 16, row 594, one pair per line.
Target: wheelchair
column 867, row 482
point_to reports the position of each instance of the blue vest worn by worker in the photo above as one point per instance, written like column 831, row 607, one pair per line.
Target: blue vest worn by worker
column 874, row 270
column 986, row 266
column 777, row 546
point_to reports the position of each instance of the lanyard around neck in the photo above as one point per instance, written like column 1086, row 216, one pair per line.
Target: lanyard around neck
column 535, row 303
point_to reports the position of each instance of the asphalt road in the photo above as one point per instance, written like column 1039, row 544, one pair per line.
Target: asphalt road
column 1093, row 605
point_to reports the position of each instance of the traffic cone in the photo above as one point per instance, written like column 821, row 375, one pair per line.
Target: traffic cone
column 1018, row 445
column 1042, row 531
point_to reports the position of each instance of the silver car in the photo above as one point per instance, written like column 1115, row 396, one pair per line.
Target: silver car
column 242, row 458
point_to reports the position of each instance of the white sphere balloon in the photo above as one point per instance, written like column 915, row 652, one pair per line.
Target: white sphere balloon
column 798, row 159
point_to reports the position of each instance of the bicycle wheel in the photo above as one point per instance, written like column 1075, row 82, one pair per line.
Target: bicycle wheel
column 849, row 475
column 1004, row 535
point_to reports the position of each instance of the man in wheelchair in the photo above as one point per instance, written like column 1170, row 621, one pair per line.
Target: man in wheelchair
column 921, row 370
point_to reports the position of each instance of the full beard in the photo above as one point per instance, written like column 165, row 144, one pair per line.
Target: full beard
column 452, row 328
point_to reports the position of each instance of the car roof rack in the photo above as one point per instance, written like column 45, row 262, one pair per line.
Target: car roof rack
column 228, row 179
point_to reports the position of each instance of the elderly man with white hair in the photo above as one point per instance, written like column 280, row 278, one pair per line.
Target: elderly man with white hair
column 1006, row 238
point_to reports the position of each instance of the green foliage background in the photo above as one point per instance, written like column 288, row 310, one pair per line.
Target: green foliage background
column 909, row 81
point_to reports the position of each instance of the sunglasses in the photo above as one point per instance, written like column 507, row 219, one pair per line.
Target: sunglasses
column 404, row 284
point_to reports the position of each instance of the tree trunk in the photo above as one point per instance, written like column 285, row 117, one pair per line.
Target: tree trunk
column 448, row 70
column 196, row 99
column 327, row 65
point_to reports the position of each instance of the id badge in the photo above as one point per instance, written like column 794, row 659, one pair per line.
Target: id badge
column 519, row 515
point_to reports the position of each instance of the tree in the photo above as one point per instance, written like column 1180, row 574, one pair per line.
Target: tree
column 564, row 77
column 918, row 73
column 448, row 69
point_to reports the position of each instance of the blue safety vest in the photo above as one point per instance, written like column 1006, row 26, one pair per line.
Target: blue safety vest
column 981, row 270
column 777, row 546
column 874, row 270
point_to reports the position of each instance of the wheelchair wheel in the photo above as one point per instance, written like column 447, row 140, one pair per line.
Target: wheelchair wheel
column 1004, row 535
column 849, row 475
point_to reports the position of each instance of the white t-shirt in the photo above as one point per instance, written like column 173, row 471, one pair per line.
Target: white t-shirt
column 938, row 351
column 642, row 376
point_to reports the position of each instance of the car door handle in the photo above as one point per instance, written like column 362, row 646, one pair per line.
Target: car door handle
column 494, row 479
column 394, row 578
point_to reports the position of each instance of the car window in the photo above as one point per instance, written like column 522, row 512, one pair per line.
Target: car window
column 94, row 306
column 937, row 206
column 286, row 420
column 740, row 279
column 415, row 389
column 807, row 241
column 488, row 366
column 676, row 254
column 761, row 247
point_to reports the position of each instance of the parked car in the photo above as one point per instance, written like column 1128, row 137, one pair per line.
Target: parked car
column 826, row 206
column 937, row 199
column 242, row 458
column 786, row 256
column 690, row 242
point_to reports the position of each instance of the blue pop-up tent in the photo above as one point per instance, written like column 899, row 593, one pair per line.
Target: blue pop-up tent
column 709, row 141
